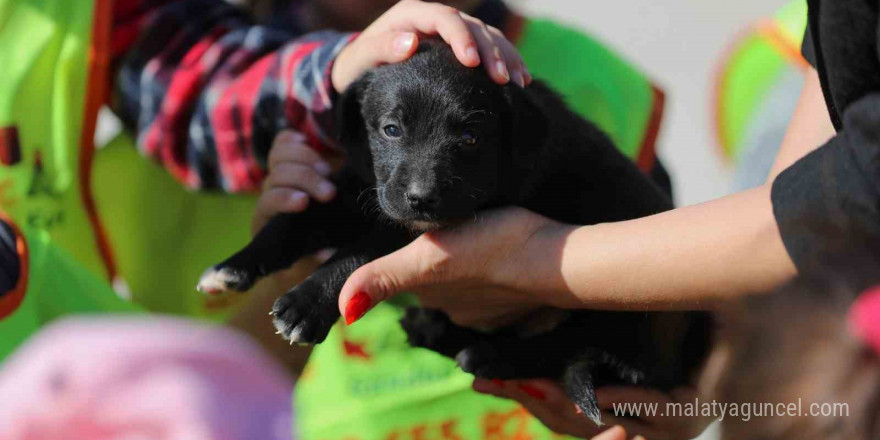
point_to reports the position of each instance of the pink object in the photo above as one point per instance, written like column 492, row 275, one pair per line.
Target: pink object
column 864, row 318
column 142, row 379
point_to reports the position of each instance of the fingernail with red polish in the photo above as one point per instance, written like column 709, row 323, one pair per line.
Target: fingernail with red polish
column 356, row 308
column 534, row 392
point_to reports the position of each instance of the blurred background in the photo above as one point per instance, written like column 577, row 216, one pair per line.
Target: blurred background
column 679, row 43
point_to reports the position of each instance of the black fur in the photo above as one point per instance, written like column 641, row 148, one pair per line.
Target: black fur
column 460, row 144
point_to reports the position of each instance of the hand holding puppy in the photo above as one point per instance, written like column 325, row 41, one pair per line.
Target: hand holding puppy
column 493, row 255
column 297, row 173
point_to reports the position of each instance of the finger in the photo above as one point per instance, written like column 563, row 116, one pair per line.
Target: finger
column 527, row 74
column 303, row 178
column 493, row 59
column 544, row 389
column 558, row 415
column 437, row 19
column 608, row 397
column 289, row 146
column 511, row 56
column 642, row 430
column 492, row 387
column 369, row 51
column 277, row 200
column 418, row 263
column 614, row 433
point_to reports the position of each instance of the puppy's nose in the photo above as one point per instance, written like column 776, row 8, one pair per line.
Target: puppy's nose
column 421, row 198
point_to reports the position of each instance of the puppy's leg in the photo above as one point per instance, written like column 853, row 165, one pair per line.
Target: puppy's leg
column 580, row 388
column 580, row 378
column 511, row 356
column 306, row 313
column 432, row 329
column 283, row 241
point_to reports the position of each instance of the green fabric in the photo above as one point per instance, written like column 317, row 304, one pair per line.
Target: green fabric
column 751, row 72
column 57, row 286
column 594, row 81
column 165, row 236
column 754, row 70
column 398, row 392
column 792, row 19
column 43, row 48
column 43, row 51
column 364, row 382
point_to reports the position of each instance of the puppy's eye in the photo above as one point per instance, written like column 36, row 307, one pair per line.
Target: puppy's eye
column 392, row 131
column 469, row 138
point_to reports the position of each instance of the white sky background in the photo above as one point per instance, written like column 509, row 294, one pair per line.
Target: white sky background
column 678, row 43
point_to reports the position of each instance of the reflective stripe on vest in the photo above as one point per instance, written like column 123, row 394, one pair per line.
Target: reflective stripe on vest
column 54, row 79
column 751, row 69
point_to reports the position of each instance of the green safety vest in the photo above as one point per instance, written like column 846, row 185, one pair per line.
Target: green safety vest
column 53, row 57
column 52, row 284
column 752, row 69
column 50, row 63
column 137, row 223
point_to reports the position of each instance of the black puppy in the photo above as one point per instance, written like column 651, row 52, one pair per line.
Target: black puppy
column 429, row 143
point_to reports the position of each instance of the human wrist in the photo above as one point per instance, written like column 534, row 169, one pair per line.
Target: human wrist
column 536, row 268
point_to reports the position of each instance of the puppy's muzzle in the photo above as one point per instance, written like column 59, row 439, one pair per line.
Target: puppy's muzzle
column 422, row 198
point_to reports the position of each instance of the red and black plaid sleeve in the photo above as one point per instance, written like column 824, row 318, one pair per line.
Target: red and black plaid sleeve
column 206, row 90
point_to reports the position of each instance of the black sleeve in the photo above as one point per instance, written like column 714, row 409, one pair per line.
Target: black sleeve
column 808, row 50
column 9, row 264
column 828, row 203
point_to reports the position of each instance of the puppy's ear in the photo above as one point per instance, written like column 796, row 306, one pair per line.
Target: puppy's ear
column 527, row 124
column 351, row 128
column 350, row 125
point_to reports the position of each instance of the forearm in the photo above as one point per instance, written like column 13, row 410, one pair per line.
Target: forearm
column 690, row 258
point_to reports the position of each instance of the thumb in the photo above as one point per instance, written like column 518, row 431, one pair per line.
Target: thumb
column 369, row 51
column 374, row 282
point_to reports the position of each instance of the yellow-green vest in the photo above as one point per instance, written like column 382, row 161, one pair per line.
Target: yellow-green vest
column 750, row 71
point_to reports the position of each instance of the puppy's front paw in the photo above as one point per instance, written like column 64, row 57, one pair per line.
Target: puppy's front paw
column 484, row 360
column 305, row 314
column 220, row 278
column 432, row 329
column 425, row 328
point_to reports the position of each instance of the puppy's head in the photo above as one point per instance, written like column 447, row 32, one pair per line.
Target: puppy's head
column 440, row 139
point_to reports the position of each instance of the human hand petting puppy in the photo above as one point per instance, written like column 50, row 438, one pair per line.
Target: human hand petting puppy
column 547, row 402
column 394, row 37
